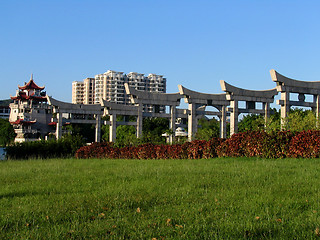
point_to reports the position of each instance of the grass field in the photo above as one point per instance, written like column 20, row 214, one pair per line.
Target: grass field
column 160, row 199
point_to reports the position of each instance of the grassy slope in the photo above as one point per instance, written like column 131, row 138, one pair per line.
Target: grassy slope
column 191, row 199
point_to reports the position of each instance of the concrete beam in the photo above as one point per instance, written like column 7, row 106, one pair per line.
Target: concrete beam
column 153, row 98
column 305, row 86
column 240, row 94
column 203, row 98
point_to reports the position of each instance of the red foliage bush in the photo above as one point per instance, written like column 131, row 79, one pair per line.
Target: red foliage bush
column 193, row 150
column 232, row 146
column 256, row 144
column 210, row 150
column 248, row 144
column 305, row 144
column 97, row 150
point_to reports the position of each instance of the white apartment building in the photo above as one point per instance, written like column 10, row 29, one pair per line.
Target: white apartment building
column 110, row 86
column 89, row 90
column 77, row 92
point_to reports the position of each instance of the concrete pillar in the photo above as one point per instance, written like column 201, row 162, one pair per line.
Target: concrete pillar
column 223, row 122
column 285, row 107
column 139, row 121
column 59, row 126
column 113, row 128
column 316, row 100
column 98, row 128
column 172, row 123
column 266, row 107
column 192, row 121
column 234, row 117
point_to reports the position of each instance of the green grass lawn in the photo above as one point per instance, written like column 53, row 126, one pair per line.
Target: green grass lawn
column 160, row 199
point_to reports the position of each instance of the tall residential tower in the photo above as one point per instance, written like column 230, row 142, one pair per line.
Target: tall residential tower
column 110, row 86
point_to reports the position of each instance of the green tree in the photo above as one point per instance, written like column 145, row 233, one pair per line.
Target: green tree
column 251, row 122
column 209, row 128
column 126, row 136
column 299, row 120
column 7, row 133
column 274, row 121
column 87, row 131
column 153, row 128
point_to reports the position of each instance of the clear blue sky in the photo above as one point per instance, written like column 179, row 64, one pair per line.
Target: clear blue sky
column 193, row 43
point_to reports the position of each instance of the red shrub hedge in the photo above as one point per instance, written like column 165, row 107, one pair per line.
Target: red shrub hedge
column 305, row 144
column 248, row 144
column 193, row 150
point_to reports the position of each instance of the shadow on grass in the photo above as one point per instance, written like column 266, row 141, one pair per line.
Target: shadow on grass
column 19, row 194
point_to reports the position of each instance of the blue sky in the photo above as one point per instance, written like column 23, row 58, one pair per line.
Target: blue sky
column 193, row 43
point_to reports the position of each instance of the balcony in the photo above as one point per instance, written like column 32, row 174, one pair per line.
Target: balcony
column 23, row 131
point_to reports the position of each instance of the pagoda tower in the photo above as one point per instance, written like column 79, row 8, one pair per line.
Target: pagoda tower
column 30, row 113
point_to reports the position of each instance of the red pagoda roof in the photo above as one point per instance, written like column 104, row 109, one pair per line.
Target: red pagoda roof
column 25, row 97
column 31, row 85
column 21, row 121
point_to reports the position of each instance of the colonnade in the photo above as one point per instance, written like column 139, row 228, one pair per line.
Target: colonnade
column 226, row 103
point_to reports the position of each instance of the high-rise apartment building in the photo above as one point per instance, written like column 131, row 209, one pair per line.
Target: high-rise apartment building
column 89, row 90
column 77, row 92
column 110, row 86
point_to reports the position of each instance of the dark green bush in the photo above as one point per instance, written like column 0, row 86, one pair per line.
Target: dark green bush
column 62, row 148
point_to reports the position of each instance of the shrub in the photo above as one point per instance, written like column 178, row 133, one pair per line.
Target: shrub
column 305, row 144
column 193, row 150
column 65, row 147
column 210, row 150
column 247, row 144
column 276, row 144
column 232, row 146
column 256, row 144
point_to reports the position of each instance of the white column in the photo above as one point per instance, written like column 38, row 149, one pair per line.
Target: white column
column 139, row 121
column 234, row 117
column 223, row 122
column 192, row 121
column 172, row 123
column 98, row 128
column 113, row 128
column 316, row 100
column 266, row 107
column 59, row 126
column 285, row 107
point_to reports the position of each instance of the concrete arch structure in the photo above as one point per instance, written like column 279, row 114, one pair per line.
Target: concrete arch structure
column 141, row 98
column 113, row 110
column 197, row 102
column 251, row 97
column 74, row 110
column 287, row 85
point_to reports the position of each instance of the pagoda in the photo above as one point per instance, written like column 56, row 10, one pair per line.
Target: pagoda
column 30, row 113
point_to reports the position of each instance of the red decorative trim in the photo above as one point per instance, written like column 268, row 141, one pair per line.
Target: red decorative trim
column 21, row 121
column 30, row 85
